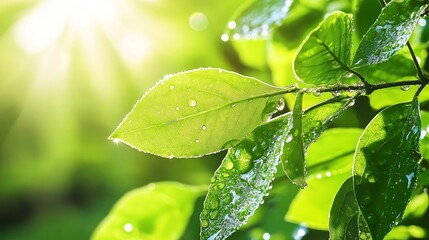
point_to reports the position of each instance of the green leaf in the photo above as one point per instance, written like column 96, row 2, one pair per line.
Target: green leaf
column 386, row 166
column 319, row 117
column 148, row 213
column 397, row 68
column 197, row 112
column 390, row 96
column 257, row 19
column 390, row 32
column 365, row 13
column 328, row 166
column 293, row 159
column 424, row 141
column 324, row 56
column 242, row 180
column 345, row 221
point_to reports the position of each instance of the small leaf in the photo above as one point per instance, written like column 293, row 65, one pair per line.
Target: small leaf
column 390, row 32
column 293, row 160
column 324, row 56
column 328, row 166
column 319, row 117
column 197, row 112
column 345, row 221
column 257, row 19
column 148, row 213
column 242, row 180
column 386, row 166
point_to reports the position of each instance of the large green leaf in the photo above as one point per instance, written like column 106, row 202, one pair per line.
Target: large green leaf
column 345, row 219
column 148, row 213
column 257, row 19
column 244, row 177
column 293, row 159
column 328, row 166
column 390, row 32
column 197, row 112
column 325, row 55
column 386, row 166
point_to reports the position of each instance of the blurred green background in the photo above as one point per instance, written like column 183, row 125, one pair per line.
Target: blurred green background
column 70, row 70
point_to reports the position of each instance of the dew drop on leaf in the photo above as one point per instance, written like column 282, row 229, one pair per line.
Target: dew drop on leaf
column 177, row 108
column 172, row 87
column 280, row 105
column 233, row 105
column 348, row 75
column 204, row 127
column 405, row 87
column 192, row 102
column 225, row 37
column 197, row 141
column 128, row 227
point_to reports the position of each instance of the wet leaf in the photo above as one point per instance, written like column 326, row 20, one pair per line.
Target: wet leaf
column 257, row 19
column 210, row 109
column 386, row 166
column 319, row 117
column 324, row 56
column 424, row 138
column 242, row 180
column 389, row 33
column 147, row 213
column 345, row 219
column 328, row 166
column 293, row 159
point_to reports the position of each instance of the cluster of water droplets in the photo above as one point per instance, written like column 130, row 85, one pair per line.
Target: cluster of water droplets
column 241, row 182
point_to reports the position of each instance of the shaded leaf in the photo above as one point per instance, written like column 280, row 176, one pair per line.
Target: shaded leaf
column 324, row 56
column 293, row 160
column 390, row 96
column 328, row 166
column 345, row 221
column 240, row 183
column 365, row 13
column 210, row 109
column 386, row 166
column 390, row 32
column 147, row 213
column 257, row 18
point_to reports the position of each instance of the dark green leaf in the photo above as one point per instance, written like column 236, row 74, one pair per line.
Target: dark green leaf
column 397, row 68
column 242, row 180
column 365, row 13
column 328, row 166
column 386, row 166
column 424, row 141
column 345, row 221
column 390, row 32
column 324, row 57
column 147, row 213
column 210, row 109
column 257, row 18
column 293, row 159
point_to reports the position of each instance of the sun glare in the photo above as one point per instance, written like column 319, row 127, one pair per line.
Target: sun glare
column 56, row 22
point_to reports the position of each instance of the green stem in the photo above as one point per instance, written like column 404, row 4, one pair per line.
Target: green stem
column 416, row 63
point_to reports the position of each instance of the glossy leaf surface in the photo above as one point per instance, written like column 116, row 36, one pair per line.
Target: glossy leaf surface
column 257, row 19
column 324, row 56
column 328, row 165
column 210, row 109
column 386, row 166
column 148, row 213
column 240, row 183
column 345, row 221
column 390, row 32
column 293, row 159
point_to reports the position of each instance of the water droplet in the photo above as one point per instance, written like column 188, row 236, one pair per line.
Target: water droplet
column 158, row 112
column 213, row 203
column 128, row 227
column 422, row 22
column 328, row 174
column 204, row 223
column 236, row 36
column 221, row 185
column 352, row 103
column 190, row 90
column 177, row 108
column 224, row 37
column 198, row 21
column 197, row 141
column 266, row 236
column 232, row 25
column 204, row 127
column 192, row 102
column 405, row 87
column 280, row 105
column 336, row 93
column 233, row 105
column 172, row 87
column 213, row 215
column 229, row 165
column 116, row 140
column 348, row 75
column 289, row 138
column 319, row 176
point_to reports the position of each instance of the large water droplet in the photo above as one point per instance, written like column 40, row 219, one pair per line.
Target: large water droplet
column 405, row 87
column 192, row 102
